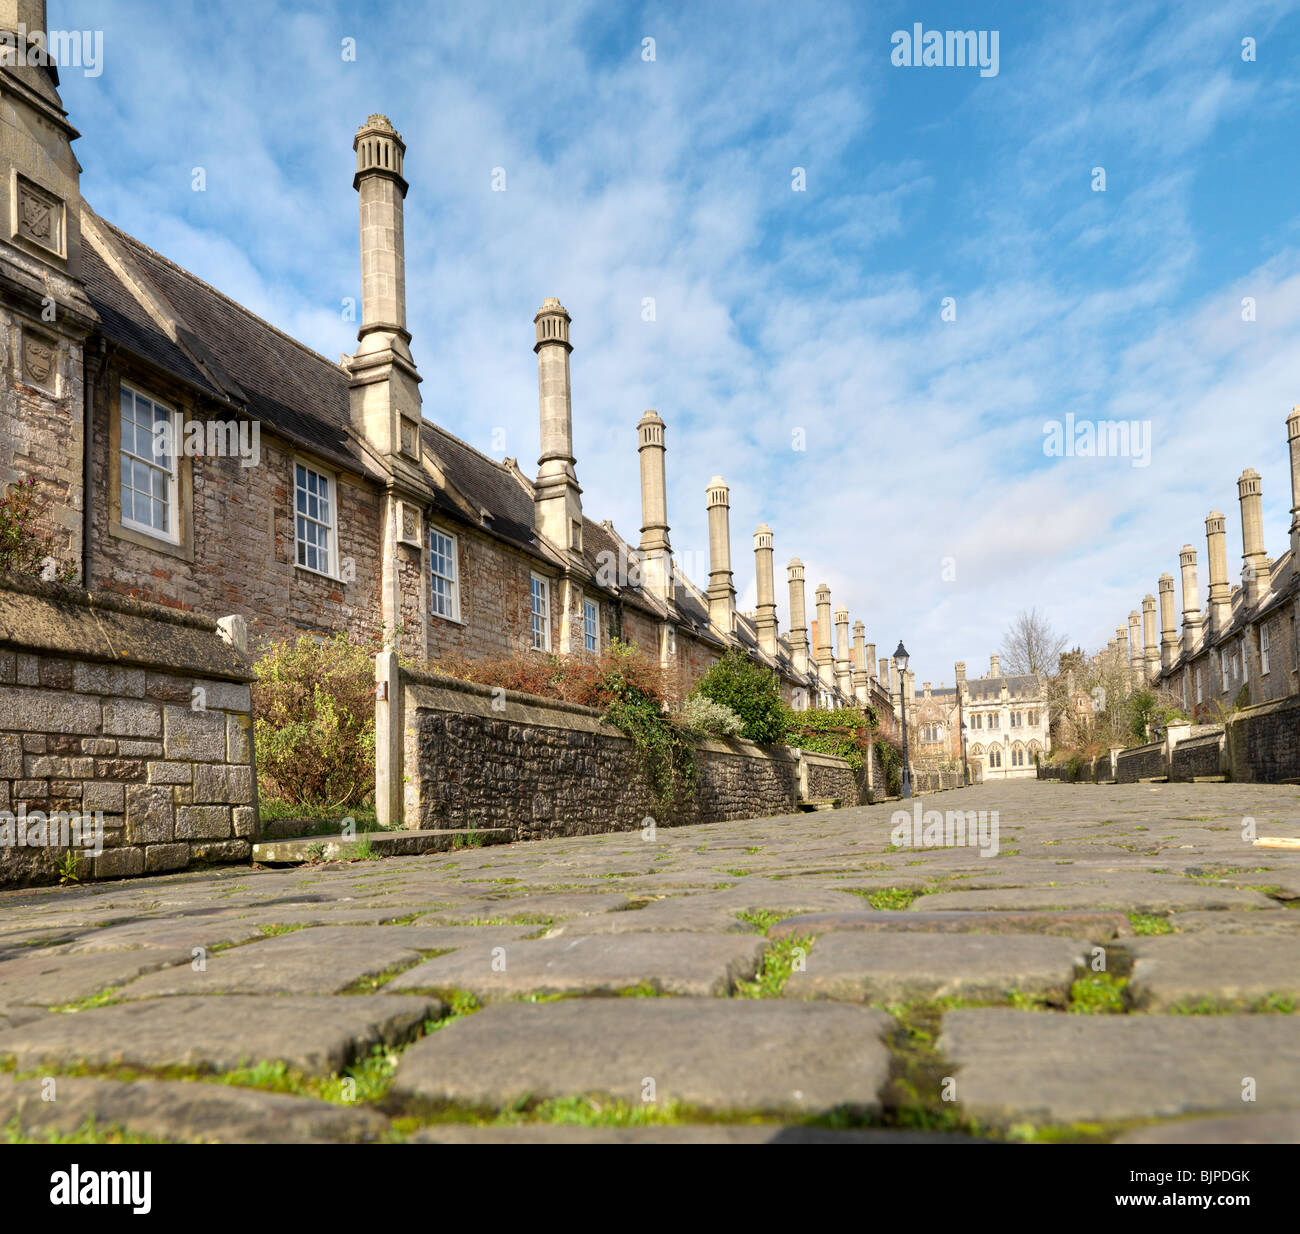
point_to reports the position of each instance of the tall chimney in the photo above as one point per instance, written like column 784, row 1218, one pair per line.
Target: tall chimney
column 385, row 384
column 886, row 677
column 1168, row 626
column 1121, row 649
column 765, row 622
column 825, row 657
column 1216, row 543
column 843, row 669
column 722, row 591
column 995, row 666
column 1293, row 438
column 1135, row 647
column 557, row 498
column 861, row 688
column 655, row 550
column 1193, row 623
column 869, row 663
column 1150, row 648
column 798, row 618
column 1257, row 570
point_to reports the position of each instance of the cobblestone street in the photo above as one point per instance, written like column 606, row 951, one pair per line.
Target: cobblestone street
column 1126, row 967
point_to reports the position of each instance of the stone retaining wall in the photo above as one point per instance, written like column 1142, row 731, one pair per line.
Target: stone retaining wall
column 135, row 716
column 1263, row 742
column 455, row 754
column 1198, row 756
column 1140, row 763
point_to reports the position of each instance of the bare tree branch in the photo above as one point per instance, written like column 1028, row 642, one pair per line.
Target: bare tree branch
column 1030, row 645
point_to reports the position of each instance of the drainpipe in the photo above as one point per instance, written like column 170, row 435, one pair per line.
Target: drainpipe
column 90, row 375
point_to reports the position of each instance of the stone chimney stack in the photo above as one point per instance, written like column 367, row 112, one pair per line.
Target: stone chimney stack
column 861, row 689
column 995, row 666
column 1293, row 438
column 722, row 590
column 1121, row 649
column 1168, row 626
column 869, row 663
column 766, row 587
column 960, row 669
column 385, row 384
column 1216, row 543
column 1150, row 648
column 655, row 550
column 1193, row 623
column 798, row 618
column 886, row 677
column 1135, row 647
column 843, row 669
column 825, row 657
column 557, row 499
column 1257, row 569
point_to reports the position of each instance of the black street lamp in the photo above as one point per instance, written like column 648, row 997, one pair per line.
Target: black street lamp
column 900, row 663
column 965, row 761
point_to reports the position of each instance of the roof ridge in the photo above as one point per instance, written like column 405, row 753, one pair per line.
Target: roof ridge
column 221, row 295
column 499, row 464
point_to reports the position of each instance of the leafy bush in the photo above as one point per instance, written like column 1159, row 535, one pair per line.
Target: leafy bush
column 846, row 733
column 24, row 547
column 891, row 759
column 751, row 691
column 623, row 682
column 703, row 715
column 314, row 722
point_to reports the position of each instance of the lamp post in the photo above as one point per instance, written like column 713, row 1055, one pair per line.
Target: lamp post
column 965, row 762
column 900, row 663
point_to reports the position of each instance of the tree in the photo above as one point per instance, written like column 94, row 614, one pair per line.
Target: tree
column 1030, row 646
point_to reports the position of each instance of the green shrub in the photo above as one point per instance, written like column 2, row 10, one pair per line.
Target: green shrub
column 891, row 759
column 703, row 715
column 24, row 547
column 314, row 722
column 751, row 691
column 845, row 732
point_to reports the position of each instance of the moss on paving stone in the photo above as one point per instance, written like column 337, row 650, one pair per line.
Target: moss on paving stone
column 376, row 982
column 886, row 898
column 763, row 919
column 1099, row 994
column 1150, row 923
column 89, row 1132
column 1269, row 1004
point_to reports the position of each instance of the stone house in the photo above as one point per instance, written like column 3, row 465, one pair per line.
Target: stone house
column 198, row 457
column 1238, row 648
column 1001, row 720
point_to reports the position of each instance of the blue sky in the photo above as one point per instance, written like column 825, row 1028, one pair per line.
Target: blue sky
column 923, row 496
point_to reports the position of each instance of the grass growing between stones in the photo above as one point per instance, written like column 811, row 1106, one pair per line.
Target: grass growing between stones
column 377, row 981
column 1270, row 1004
column 889, row 898
column 1150, row 923
column 89, row 1132
column 1098, row 994
column 779, row 961
column 762, row 919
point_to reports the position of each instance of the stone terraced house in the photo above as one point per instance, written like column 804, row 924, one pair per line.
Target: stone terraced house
column 1240, row 647
column 197, row 457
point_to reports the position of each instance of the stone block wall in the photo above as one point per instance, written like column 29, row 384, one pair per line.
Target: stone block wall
column 825, row 778
column 468, row 757
column 1197, row 756
column 1139, row 763
column 1263, row 742
column 133, row 715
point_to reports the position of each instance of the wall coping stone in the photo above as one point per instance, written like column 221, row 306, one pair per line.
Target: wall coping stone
column 52, row 619
column 438, row 692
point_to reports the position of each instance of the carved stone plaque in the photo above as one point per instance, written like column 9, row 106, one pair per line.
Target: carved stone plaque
column 38, row 360
column 40, row 217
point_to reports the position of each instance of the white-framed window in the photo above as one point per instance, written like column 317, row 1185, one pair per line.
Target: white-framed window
column 1245, row 658
column 147, row 466
column 1263, row 651
column 444, row 575
column 1200, row 693
column 315, row 519
column 591, row 625
column 995, row 720
column 1223, row 666
column 541, row 613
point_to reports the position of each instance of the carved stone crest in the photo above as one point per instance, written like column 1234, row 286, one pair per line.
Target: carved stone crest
column 38, row 360
column 40, row 217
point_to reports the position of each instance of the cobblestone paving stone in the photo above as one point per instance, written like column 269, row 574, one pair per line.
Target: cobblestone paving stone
column 1125, row 967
